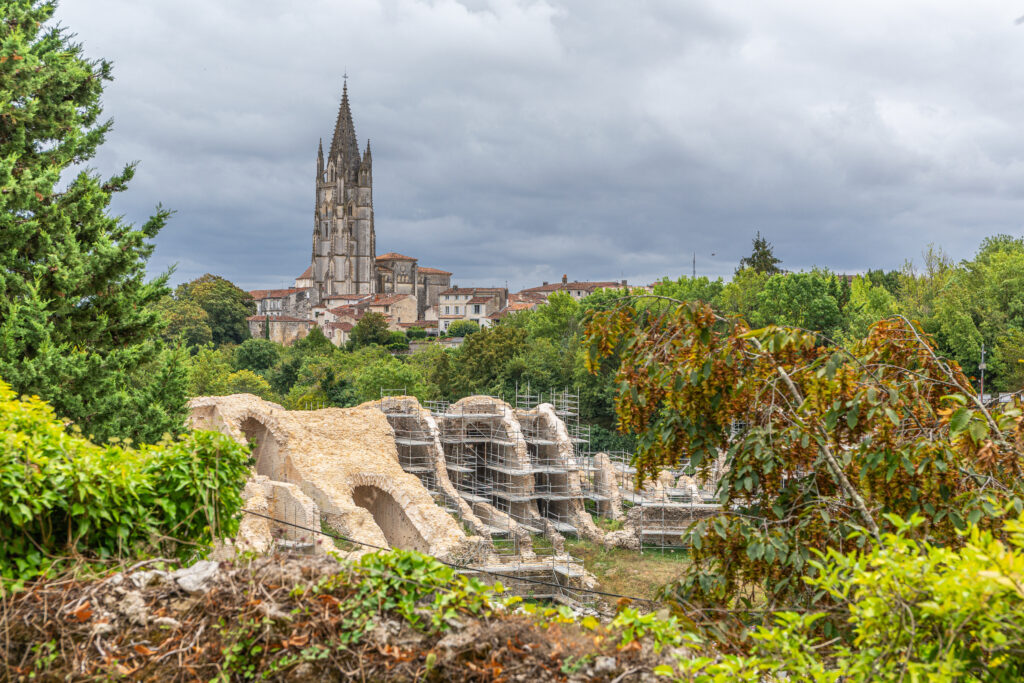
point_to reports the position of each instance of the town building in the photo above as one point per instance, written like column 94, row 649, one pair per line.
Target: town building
column 345, row 268
column 575, row 289
column 476, row 304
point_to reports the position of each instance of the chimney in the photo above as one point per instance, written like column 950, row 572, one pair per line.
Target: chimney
column 565, row 279
column 623, row 284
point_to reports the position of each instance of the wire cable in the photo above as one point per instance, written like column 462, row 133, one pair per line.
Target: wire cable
column 462, row 567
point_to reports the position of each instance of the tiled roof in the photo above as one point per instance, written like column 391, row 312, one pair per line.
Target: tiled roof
column 392, row 256
column 279, row 319
column 258, row 294
column 481, row 300
column 513, row 307
column 473, row 290
column 347, row 327
column 420, row 323
column 432, row 271
column 306, row 274
column 387, row 299
column 563, row 286
column 347, row 297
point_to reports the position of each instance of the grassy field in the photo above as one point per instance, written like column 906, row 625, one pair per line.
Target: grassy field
column 628, row 572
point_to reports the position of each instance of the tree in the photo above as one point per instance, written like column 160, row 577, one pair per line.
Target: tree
column 869, row 303
column 372, row 328
column 798, row 300
column 226, row 305
column 258, row 355
column 556, row 320
column 186, row 321
column 248, row 382
column 478, row 364
column 315, row 343
column 390, row 375
column 79, row 325
column 690, row 289
column 739, row 296
column 833, row 439
column 208, row 372
column 463, row 328
column 762, row 258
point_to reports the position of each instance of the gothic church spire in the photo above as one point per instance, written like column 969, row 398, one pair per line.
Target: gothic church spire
column 344, row 143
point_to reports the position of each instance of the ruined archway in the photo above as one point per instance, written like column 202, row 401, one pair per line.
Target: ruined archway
column 266, row 449
column 398, row 529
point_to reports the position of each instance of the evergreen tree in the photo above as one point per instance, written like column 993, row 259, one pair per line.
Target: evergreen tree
column 79, row 324
column 762, row 258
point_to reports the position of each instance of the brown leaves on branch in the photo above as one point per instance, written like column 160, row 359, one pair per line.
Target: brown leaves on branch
column 816, row 440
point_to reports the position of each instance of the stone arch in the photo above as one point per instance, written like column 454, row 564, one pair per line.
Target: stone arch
column 390, row 517
column 268, row 448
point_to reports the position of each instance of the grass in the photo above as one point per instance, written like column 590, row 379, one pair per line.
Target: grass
column 629, row 572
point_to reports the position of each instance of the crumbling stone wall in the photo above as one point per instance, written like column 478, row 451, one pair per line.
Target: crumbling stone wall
column 328, row 454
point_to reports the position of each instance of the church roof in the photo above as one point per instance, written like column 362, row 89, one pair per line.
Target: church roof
column 432, row 271
column 393, row 256
column 306, row 274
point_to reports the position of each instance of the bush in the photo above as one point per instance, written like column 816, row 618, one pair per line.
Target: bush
column 416, row 333
column 463, row 328
column 248, row 382
column 917, row 612
column 258, row 355
column 67, row 498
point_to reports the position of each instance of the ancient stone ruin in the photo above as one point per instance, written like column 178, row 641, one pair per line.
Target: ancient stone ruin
column 479, row 483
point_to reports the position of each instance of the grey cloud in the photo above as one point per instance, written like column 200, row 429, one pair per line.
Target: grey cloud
column 518, row 140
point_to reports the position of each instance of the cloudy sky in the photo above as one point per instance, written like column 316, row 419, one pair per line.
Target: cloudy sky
column 516, row 140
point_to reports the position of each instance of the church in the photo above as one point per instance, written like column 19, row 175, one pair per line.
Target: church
column 345, row 271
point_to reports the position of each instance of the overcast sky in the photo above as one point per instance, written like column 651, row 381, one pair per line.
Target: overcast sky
column 516, row 141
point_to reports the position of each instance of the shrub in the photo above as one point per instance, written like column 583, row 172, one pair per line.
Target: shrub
column 258, row 355
column 248, row 382
column 66, row 497
column 463, row 328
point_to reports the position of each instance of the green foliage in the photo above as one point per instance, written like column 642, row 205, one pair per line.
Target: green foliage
column 832, row 439
column 917, row 612
column 463, row 328
column 186, row 321
column 556, row 320
column 78, row 322
column 416, row 333
column 391, row 375
column 762, row 258
column 208, row 372
column 67, row 498
column 690, row 289
column 801, row 300
column 316, row 344
column 740, row 295
column 226, row 307
column 477, row 364
column 248, row 382
column 258, row 355
column 372, row 328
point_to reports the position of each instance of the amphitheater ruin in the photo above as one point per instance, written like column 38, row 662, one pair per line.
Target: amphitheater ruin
column 488, row 486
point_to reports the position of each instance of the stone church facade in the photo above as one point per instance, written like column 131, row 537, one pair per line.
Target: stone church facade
column 345, row 265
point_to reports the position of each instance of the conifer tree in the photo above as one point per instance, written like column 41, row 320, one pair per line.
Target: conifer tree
column 78, row 321
column 762, row 258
